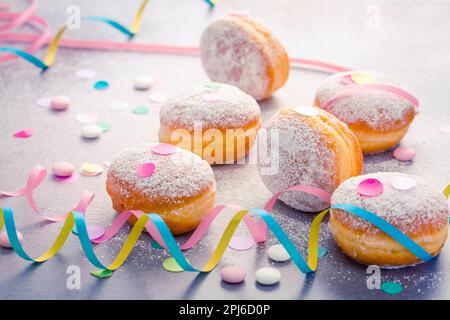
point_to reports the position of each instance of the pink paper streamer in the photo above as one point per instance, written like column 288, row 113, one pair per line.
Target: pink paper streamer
column 35, row 178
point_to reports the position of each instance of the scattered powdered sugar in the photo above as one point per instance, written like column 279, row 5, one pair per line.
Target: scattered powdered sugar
column 304, row 158
column 234, row 109
column 179, row 175
column 230, row 54
column 378, row 109
column 406, row 210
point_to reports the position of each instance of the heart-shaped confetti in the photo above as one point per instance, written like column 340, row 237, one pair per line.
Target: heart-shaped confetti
column 404, row 153
column 163, row 149
column 86, row 118
column 370, row 188
column 101, row 85
column 212, row 97
column 307, row 111
column 362, row 78
column 145, row 170
column 402, row 183
column 241, row 243
column 24, row 133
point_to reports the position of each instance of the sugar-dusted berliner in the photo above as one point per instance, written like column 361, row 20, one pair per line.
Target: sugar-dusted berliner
column 241, row 51
column 158, row 178
column 306, row 146
column 374, row 106
column 407, row 202
column 217, row 121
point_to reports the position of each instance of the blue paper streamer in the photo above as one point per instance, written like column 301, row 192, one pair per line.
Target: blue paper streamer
column 25, row 55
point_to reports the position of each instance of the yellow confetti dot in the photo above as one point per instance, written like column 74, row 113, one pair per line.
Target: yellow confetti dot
column 91, row 169
column 362, row 78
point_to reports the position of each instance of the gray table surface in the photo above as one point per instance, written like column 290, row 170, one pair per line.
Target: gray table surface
column 411, row 43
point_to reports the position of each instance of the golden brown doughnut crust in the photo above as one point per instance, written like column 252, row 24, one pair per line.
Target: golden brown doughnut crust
column 421, row 213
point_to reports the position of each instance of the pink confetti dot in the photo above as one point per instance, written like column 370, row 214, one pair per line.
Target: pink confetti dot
column 404, row 153
column 402, row 183
column 212, row 97
column 4, row 240
column 233, row 274
column 146, row 170
column 43, row 102
column 163, row 149
column 25, row 133
column 370, row 188
column 445, row 129
column 241, row 243
column 95, row 231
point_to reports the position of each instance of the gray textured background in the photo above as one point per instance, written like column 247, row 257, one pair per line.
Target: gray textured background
column 411, row 44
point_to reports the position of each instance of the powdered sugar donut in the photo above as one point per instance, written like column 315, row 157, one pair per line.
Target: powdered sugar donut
column 217, row 121
column 179, row 186
column 240, row 51
column 307, row 146
column 407, row 202
column 374, row 106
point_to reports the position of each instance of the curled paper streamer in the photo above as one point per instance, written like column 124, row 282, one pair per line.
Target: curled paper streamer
column 159, row 230
column 38, row 41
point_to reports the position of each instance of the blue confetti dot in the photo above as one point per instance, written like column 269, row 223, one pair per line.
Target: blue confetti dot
column 101, row 85
column 322, row 252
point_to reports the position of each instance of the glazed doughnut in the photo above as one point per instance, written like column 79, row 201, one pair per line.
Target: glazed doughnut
column 181, row 189
column 238, row 50
column 407, row 202
column 378, row 118
column 314, row 148
column 216, row 121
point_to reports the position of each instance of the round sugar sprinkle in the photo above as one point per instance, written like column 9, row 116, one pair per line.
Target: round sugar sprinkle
column 268, row 276
column 404, row 153
column 278, row 253
column 91, row 131
column 402, row 183
column 233, row 274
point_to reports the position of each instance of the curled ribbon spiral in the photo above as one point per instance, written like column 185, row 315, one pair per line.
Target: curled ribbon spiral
column 156, row 227
column 15, row 20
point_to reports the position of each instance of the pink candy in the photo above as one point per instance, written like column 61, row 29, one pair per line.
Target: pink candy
column 370, row 188
column 404, row 153
column 60, row 103
column 63, row 169
column 233, row 274
column 146, row 170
